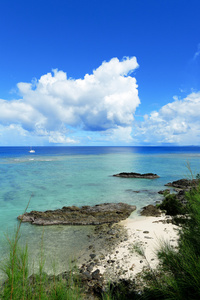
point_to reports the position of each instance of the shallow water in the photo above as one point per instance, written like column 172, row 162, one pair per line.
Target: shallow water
column 63, row 176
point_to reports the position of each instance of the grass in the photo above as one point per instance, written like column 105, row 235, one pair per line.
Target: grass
column 176, row 278
column 19, row 285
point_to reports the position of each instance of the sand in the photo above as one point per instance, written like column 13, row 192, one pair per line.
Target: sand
column 146, row 232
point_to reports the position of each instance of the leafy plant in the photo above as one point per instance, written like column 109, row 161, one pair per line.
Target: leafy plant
column 178, row 276
column 172, row 205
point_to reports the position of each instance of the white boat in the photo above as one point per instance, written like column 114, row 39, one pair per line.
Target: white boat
column 31, row 150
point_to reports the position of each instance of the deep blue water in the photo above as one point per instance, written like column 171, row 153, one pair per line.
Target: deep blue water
column 48, row 151
column 62, row 176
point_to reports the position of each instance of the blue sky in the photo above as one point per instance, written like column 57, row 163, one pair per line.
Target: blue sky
column 96, row 72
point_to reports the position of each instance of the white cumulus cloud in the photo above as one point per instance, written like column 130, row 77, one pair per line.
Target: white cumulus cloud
column 101, row 101
column 177, row 122
column 59, row 138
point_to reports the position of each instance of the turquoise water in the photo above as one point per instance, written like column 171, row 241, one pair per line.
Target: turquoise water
column 64, row 176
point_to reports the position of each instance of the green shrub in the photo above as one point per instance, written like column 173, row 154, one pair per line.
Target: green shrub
column 178, row 276
column 172, row 205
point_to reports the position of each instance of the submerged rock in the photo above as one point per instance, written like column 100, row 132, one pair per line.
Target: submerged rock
column 164, row 192
column 137, row 175
column 85, row 215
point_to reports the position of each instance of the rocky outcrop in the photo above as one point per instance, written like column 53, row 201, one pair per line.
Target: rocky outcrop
column 137, row 175
column 184, row 183
column 164, row 192
column 150, row 211
column 176, row 203
column 85, row 215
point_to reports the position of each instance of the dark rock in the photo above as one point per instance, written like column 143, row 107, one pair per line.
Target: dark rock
column 150, row 210
column 166, row 191
column 90, row 268
column 96, row 274
column 137, row 175
column 184, row 183
column 86, row 215
column 112, row 232
column 110, row 261
column 181, row 196
column 92, row 256
column 123, row 289
column 132, row 191
column 92, row 285
column 86, row 275
column 175, row 204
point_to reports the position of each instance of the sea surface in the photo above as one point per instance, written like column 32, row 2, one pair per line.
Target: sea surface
column 54, row 177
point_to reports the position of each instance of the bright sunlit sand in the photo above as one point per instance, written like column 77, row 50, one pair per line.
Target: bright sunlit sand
column 147, row 233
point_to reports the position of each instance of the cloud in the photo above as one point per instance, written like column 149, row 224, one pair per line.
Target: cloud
column 13, row 135
column 119, row 134
column 197, row 53
column 19, row 112
column 101, row 101
column 177, row 122
column 57, row 137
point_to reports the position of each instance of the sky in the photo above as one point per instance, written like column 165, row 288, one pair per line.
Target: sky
column 99, row 73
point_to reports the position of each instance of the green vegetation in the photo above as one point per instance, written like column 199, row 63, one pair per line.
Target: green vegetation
column 178, row 275
column 19, row 285
column 176, row 278
column 172, row 205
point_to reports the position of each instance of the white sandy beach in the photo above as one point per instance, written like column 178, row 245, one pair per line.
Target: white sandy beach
column 147, row 232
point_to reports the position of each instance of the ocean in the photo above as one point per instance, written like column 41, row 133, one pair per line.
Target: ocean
column 54, row 177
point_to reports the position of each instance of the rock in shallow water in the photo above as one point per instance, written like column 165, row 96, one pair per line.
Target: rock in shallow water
column 85, row 215
column 184, row 183
column 137, row 175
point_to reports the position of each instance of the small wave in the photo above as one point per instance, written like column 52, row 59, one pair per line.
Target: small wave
column 26, row 160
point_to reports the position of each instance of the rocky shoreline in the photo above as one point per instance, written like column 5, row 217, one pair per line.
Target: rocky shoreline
column 184, row 184
column 110, row 255
column 117, row 261
column 85, row 215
